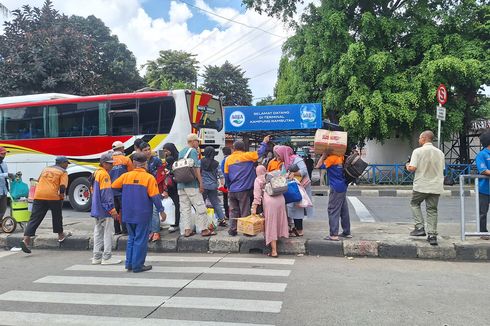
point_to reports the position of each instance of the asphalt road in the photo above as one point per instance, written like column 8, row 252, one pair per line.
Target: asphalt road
column 61, row 288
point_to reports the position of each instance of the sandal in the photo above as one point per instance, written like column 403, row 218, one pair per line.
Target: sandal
column 222, row 223
column 272, row 256
column 295, row 232
column 208, row 234
column 332, row 238
column 189, row 234
column 65, row 235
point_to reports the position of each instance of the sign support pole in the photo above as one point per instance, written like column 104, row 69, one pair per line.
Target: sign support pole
column 439, row 134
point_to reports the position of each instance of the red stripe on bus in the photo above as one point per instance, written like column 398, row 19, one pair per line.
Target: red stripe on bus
column 68, row 146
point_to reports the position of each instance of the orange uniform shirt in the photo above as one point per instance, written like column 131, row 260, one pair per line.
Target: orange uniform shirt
column 49, row 184
column 274, row 165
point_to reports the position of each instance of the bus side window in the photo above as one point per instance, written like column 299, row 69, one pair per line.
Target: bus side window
column 156, row 116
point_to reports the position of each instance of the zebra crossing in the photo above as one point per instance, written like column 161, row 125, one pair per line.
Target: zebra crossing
column 219, row 290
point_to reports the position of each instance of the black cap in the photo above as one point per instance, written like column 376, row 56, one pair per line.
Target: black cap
column 139, row 157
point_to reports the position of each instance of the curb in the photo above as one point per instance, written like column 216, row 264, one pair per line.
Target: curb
column 400, row 249
column 391, row 193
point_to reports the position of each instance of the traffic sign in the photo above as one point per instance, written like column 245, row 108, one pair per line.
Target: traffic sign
column 441, row 113
column 441, row 94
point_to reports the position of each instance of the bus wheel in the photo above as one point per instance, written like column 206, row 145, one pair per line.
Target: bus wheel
column 8, row 224
column 79, row 194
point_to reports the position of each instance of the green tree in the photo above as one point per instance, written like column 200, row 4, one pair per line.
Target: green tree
column 172, row 70
column 44, row 51
column 230, row 81
column 375, row 65
column 268, row 100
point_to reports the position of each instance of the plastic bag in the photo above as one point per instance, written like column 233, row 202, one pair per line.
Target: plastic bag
column 169, row 206
column 18, row 189
column 305, row 199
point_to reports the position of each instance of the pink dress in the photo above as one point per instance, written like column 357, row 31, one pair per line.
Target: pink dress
column 276, row 218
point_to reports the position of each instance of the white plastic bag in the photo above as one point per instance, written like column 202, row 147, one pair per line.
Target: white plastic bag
column 169, row 206
column 305, row 199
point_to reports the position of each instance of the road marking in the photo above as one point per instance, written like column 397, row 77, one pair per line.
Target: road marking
column 30, row 318
column 166, row 283
column 84, row 298
column 215, row 259
column 361, row 210
column 188, row 270
column 7, row 253
column 224, row 304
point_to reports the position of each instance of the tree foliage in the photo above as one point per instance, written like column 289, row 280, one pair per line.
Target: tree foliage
column 229, row 80
column 376, row 65
column 45, row 51
column 268, row 100
column 172, row 70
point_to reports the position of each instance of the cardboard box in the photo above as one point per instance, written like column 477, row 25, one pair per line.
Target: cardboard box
column 251, row 225
column 330, row 142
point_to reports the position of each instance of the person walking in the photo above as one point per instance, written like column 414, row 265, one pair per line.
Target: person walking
column 310, row 164
column 139, row 195
column 427, row 162
column 49, row 195
column 190, row 194
column 212, row 179
column 121, row 165
column 103, row 211
column 323, row 173
column 483, row 167
column 4, row 184
column 226, row 153
column 274, row 209
column 338, row 208
column 240, row 177
column 154, row 163
column 172, row 155
column 294, row 162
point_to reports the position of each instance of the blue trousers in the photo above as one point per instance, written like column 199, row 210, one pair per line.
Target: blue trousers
column 137, row 245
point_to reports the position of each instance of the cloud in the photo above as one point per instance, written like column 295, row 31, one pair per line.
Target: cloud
column 256, row 51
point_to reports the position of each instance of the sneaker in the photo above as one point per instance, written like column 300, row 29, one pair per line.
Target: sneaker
column 96, row 261
column 418, row 232
column 432, row 239
column 111, row 261
column 172, row 229
column 143, row 269
column 233, row 233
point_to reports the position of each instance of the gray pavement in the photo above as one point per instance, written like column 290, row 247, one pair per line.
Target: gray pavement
column 61, row 288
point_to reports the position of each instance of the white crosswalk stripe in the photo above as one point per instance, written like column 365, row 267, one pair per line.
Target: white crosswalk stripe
column 92, row 285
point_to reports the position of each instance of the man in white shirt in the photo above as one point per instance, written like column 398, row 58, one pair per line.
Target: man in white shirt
column 428, row 164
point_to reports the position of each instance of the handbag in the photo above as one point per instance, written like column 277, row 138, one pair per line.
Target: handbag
column 183, row 169
column 305, row 199
column 276, row 185
column 292, row 195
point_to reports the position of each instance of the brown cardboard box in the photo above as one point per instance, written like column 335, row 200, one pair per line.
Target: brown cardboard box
column 330, row 142
column 251, row 225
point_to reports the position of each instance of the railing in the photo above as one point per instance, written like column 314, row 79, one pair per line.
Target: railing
column 464, row 234
column 395, row 174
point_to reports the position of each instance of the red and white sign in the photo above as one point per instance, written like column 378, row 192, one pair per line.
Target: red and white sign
column 441, row 94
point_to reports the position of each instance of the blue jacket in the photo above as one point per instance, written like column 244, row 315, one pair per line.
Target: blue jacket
column 239, row 169
column 102, row 196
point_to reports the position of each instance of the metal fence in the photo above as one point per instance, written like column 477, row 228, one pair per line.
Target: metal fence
column 469, row 177
column 395, row 174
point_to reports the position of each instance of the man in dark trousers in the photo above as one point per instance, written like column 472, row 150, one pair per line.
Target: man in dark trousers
column 49, row 195
column 483, row 167
column 310, row 164
column 139, row 195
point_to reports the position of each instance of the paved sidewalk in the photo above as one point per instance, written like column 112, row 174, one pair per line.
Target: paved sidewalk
column 384, row 240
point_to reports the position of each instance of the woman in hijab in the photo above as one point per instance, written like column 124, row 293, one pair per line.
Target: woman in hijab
column 212, row 179
column 276, row 220
column 172, row 155
column 296, row 168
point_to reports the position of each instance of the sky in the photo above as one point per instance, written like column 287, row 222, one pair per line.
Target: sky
column 148, row 26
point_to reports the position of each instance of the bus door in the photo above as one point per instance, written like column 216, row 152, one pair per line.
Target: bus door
column 123, row 118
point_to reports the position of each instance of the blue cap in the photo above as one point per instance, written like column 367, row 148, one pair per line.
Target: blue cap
column 61, row 159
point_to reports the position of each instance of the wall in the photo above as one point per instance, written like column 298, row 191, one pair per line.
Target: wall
column 395, row 150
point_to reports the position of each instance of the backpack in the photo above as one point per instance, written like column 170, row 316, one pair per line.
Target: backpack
column 183, row 169
column 354, row 167
column 275, row 184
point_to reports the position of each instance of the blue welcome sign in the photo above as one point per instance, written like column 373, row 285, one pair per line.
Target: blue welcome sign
column 273, row 117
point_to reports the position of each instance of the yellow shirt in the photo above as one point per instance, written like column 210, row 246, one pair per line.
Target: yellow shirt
column 49, row 184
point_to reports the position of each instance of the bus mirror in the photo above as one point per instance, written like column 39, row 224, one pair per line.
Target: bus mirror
column 206, row 109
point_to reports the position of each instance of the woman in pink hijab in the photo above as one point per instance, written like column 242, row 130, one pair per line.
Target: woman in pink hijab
column 296, row 167
column 276, row 219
